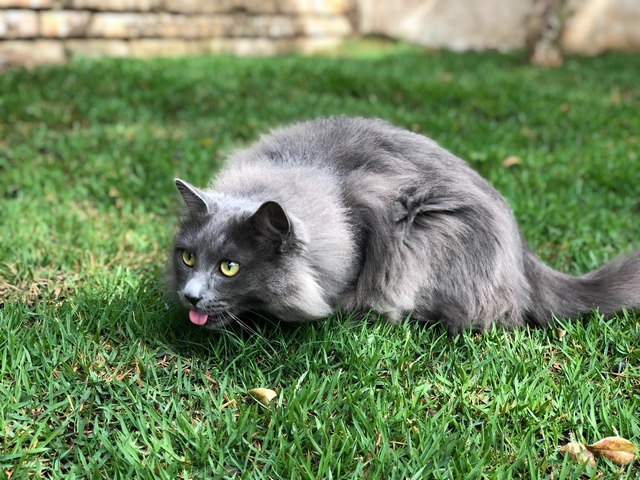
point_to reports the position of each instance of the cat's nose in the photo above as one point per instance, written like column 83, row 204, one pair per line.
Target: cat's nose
column 194, row 300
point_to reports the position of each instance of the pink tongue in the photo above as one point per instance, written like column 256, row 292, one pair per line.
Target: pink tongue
column 198, row 317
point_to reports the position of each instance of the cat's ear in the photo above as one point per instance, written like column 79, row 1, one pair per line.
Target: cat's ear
column 271, row 221
column 194, row 199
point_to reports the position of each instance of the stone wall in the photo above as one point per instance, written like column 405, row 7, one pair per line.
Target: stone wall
column 589, row 26
column 34, row 32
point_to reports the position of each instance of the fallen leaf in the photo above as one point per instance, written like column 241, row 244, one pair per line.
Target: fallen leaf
column 511, row 160
column 617, row 449
column 262, row 395
column 579, row 452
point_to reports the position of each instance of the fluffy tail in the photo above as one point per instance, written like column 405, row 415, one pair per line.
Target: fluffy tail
column 608, row 289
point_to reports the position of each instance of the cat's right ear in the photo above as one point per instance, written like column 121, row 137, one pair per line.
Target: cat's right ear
column 194, row 199
column 271, row 221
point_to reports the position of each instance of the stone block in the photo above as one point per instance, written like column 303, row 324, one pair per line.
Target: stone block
column 257, row 6
column 260, row 47
column 198, row 6
column 205, row 26
column 269, row 26
column 323, row 7
column 33, row 4
column 18, row 24
column 315, row 45
column 226, row 25
column 167, row 47
column 242, row 25
column 170, row 25
column 454, row 24
column 222, row 6
column 186, row 26
column 64, row 23
column 117, row 5
column 31, row 53
column 123, row 25
column 254, row 47
column 324, row 26
column 597, row 26
column 90, row 47
column 165, row 25
column 245, row 47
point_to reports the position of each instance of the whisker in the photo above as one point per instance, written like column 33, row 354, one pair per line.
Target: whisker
column 244, row 325
column 263, row 317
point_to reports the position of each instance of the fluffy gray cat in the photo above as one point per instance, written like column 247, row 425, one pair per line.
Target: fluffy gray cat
column 354, row 215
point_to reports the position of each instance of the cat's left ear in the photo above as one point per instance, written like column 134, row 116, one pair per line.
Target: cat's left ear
column 271, row 221
column 193, row 198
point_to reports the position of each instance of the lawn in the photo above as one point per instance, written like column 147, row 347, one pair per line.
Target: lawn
column 102, row 377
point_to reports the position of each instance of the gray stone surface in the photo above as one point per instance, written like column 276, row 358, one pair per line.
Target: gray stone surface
column 592, row 26
column 600, row 25
column 453, row 24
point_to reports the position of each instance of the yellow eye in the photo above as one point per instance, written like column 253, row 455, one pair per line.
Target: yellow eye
column 188, row 258
column 229, row 268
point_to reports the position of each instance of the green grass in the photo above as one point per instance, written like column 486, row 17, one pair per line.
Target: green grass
column 101, row 379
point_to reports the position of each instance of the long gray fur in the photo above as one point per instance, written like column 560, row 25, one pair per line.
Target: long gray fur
column 366, row 217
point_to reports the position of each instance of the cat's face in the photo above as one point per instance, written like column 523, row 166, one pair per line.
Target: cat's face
column 229, row 257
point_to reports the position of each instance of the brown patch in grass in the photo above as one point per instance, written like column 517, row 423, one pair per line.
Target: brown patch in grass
column 41, row 285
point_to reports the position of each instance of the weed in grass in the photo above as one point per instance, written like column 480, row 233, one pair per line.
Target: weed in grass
column 101, row 378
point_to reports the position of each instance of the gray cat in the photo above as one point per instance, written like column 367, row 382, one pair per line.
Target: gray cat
column 354, row 215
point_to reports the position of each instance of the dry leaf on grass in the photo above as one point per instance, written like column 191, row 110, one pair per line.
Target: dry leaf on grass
column 511, row 160
column 262, row 395
column 617, row 449
column 578, row 451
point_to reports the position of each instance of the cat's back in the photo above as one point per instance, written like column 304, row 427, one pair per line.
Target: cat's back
column 340, row 144
column 356, row 162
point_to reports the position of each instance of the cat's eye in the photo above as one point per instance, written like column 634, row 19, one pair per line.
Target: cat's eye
column 229, row 268
column 188, row 258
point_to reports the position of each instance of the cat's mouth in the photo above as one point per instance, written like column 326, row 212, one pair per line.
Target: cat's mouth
column 198, row 317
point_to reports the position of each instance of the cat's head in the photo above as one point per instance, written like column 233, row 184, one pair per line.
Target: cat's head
column 231, row 255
